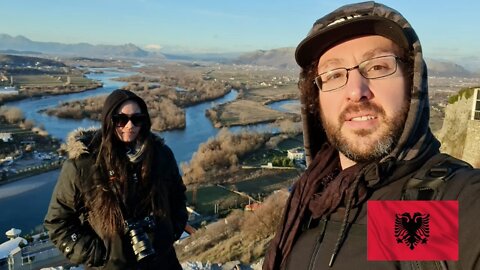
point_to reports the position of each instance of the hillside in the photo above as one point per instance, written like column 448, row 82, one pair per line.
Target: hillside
column 446, row 69
column 21, row 43
column 13, row 61
column 242, row 235
column 283, row 58
column 280, row 58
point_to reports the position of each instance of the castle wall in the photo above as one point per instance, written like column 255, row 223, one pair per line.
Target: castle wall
column 471, row 152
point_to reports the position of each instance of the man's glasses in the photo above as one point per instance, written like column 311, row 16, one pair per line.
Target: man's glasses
column 374, row 68
column 121, row 120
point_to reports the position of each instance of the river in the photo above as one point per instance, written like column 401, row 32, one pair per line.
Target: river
column 183, row 142
column 24, row 203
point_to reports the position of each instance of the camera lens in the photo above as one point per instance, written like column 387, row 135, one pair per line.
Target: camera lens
column 141, row 244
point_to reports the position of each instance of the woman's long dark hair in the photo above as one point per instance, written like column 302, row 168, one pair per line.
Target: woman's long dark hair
column 106, row 216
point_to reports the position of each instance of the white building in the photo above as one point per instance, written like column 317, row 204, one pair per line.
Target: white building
column 6, row 136
column 8, row 90
column 36, row 255
column 296, row 153
column 10, row 247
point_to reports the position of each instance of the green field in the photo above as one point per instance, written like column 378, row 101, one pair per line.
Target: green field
column 264, row 155
column 207, row 197
column 51, row 80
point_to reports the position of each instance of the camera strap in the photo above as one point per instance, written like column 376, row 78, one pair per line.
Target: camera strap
column 116, row 193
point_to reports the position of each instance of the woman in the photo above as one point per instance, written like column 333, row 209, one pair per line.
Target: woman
column 119, row 202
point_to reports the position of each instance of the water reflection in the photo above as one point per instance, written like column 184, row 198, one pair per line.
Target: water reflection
column 289, row 105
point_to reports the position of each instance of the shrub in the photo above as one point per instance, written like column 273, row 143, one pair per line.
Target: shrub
column 12, row 114
column 240, row 236
column 220, row 155
column 464, row 92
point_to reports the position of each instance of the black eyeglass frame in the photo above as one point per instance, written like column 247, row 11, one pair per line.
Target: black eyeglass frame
column 318, row 79
column 121, row 119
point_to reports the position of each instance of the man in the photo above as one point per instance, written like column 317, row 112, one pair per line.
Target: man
column 365, row 110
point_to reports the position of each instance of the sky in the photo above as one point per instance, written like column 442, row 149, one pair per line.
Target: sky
column 447, row 29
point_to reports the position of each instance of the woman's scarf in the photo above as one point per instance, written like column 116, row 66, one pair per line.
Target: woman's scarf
column 137, row 153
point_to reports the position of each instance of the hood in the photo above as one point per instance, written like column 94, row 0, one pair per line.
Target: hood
column 115, row 99
column 81, row 141
column 86, row 141
column 360, row 19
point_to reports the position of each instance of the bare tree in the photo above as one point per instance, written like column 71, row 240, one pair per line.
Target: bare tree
column 220, row 155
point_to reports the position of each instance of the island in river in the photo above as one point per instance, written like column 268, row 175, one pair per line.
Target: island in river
column 171, row 87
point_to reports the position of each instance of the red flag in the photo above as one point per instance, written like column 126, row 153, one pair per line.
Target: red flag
column 412, row 230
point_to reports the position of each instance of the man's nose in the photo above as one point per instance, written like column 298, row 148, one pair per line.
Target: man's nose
column 358, row 87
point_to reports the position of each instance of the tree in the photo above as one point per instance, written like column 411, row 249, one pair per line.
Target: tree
column 286, row 162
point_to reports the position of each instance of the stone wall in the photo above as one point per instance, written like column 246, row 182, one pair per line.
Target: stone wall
column 454, row 128
column 460, row 136
column 471, row 152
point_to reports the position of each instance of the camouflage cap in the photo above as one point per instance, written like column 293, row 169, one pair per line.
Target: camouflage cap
column 367, row 18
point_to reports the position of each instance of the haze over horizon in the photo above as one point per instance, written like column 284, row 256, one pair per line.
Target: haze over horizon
column 446, row 29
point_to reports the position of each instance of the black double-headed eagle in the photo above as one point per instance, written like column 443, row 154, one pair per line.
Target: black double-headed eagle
column 412, row 230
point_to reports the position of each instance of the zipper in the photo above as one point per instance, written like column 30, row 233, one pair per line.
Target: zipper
column 316, row 248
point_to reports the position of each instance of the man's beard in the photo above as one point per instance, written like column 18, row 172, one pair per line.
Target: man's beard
column 391, row 130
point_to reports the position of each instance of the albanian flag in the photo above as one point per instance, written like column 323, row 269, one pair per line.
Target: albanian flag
column 412, row 230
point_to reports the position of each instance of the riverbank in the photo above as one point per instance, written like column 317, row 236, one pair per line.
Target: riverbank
column 164, row 114
column 246, row 112
column 25, row 150
column 183, row 84
column 33, row 86
column 251, row 107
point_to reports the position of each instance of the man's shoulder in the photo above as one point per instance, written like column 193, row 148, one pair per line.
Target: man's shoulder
column 444, row 166
column 441, row 177
column 463, row 181
column 458, row 168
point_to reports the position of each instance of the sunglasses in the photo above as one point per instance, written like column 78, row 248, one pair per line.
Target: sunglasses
column 121, row 120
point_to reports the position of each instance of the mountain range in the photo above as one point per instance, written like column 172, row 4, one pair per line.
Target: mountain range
column 21, row 43
column 282, row 58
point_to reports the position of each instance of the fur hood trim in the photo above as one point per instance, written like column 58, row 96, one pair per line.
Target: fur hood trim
column 84, row 141
column 79, row 142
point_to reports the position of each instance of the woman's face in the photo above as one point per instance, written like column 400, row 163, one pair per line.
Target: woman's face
column 128, row 120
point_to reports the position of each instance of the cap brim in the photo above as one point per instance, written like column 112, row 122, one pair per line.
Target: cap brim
column 316, row 44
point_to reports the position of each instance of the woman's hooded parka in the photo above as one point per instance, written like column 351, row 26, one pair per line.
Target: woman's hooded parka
column 69, row 221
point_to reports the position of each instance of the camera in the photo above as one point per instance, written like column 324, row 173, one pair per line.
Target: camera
column 137, row 230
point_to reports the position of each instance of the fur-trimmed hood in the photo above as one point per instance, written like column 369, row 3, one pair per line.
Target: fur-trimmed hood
column 81, row 141
column 86, row 141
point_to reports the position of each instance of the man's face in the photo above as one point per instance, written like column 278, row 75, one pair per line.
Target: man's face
column 365, row 118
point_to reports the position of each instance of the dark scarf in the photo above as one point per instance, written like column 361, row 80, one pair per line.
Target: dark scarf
column 320, row 191
column 323, row 188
